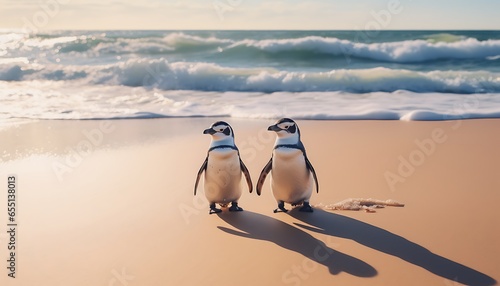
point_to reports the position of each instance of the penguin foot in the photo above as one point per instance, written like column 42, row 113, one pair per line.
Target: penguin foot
column 235, row 208
column 306, row 207
column 214, row 210
column 281, row 208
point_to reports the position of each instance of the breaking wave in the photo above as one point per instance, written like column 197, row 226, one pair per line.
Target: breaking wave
column 430, row 48
column 159, row 73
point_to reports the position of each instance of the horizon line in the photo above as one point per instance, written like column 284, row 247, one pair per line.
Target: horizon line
column 270, row 30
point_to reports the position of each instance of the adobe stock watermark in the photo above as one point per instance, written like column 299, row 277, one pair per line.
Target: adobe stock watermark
column 121, row 278
column 221, row 7
column 159, row 74
column 154, row 77
column 248, row 151
column 407, row 165
column 77, row 154
column 296, row 274
column 379, row 20
column 40, row 19
column 424, row 148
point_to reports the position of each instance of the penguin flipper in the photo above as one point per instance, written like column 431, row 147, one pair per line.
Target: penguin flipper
column 245, row 171
column 263, row 175
column 202, row 168
column 311, row 168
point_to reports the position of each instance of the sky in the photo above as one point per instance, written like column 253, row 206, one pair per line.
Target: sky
column 250, row 14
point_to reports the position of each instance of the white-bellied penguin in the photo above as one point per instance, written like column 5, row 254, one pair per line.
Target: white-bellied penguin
column 292, row 173
column 223, row 167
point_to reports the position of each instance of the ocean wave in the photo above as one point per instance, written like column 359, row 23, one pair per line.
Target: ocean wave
column 440, row 46
column 399, row 52
column 415, row 75
column 444, row 37
column 159, row 73
column 181, row 40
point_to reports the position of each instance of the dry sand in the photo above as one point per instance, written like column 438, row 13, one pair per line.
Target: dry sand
column 118, row 208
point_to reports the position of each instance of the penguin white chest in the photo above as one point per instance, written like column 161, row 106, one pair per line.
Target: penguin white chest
column 290, row 179
column 223, row 176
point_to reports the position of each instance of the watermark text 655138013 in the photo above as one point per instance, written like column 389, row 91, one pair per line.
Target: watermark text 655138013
column 12, row 209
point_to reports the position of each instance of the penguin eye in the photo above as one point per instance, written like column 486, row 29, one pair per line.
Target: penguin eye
column 226, row 131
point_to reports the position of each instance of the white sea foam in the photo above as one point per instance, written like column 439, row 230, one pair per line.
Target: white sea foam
column 40, row 43
column 74, row 100
column 159, row 73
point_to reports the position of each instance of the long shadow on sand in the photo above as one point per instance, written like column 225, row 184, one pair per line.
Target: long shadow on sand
column 390, row 243
column 257, row 226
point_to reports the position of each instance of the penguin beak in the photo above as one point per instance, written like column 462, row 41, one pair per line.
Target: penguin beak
column 274, row 128
column 210, row 131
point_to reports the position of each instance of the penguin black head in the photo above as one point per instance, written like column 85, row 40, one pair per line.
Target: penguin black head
column 220, row 130
column 285, row 128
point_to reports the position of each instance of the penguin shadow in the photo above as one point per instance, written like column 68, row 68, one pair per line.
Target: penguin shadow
column 256, row 226
column 382, row 240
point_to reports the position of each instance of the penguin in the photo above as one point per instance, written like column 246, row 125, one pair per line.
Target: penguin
column 223, row 167
column 292, row 173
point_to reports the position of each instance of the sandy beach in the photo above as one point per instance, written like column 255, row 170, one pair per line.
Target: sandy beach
column 110, row 202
